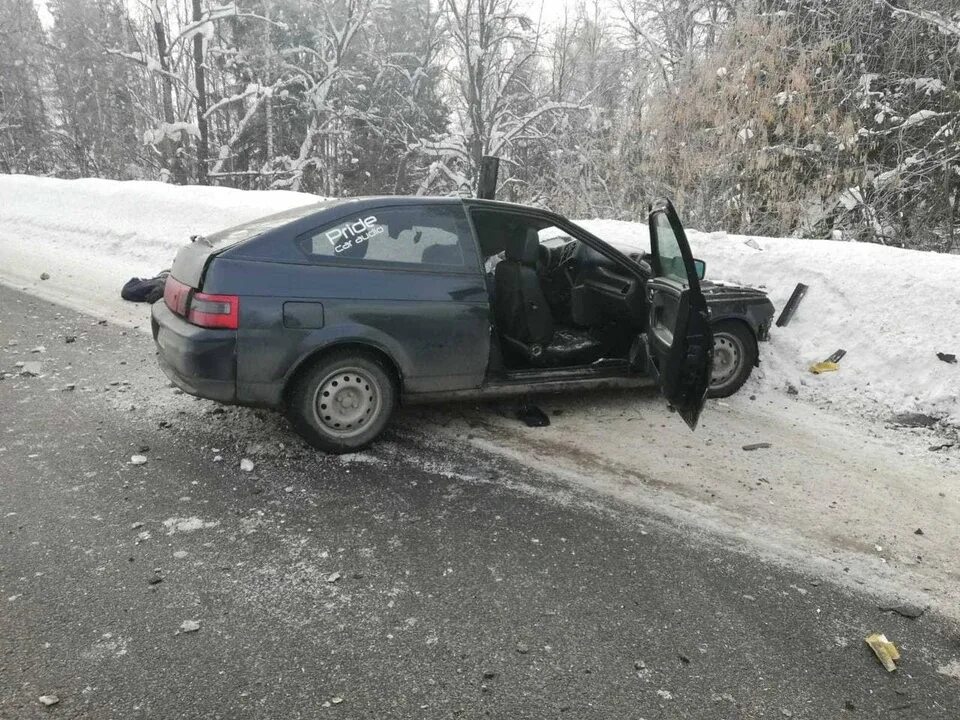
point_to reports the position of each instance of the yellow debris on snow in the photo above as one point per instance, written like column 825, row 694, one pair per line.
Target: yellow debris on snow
column 825, row 366
column 885, row 650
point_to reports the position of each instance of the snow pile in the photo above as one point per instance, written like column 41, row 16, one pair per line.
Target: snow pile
column 147, row 221
column 892, row 310
column 91, row 236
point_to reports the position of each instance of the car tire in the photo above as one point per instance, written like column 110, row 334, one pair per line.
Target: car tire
column 734, row 355
column 342, row 402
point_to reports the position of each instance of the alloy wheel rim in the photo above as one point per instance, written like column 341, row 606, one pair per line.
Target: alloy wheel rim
column 346, row 402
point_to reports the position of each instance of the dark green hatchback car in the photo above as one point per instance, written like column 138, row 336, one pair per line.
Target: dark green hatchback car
column 335, row 312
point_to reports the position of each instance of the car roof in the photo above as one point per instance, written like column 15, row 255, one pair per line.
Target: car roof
column 256, row 236
column 331, row 208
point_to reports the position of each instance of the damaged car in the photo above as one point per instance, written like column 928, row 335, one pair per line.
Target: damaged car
column 335, row 312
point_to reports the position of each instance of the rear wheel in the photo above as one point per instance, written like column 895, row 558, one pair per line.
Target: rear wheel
column 343, row 402
column 734, row 355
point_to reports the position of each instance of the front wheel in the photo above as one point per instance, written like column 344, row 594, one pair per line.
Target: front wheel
column 734, row 355
column 343, row 402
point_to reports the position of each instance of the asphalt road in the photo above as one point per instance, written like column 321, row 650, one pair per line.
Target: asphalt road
column 418, row 580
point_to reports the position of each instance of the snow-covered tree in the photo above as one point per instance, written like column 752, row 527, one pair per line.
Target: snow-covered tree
column 97, row 117
column 497, row 98
column 24, row 121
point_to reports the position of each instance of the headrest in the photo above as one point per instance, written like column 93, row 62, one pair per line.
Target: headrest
column 523, row 245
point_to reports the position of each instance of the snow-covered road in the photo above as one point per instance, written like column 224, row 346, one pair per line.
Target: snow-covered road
column 838, row 487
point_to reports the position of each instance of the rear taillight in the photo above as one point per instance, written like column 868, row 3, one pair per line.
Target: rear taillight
column 214, row 311
column 175, row 295
column 209, row 311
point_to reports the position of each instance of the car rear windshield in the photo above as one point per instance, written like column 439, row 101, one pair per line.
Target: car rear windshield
column 253, row 228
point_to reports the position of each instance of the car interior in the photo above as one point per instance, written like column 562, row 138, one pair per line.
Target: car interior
column 557, row 302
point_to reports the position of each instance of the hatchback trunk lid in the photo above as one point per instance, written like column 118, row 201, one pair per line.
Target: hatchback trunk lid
column 191, row 261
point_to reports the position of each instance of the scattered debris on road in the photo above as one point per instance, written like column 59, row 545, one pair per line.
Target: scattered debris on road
column 951, row 669
column 189, row 626
column 904, row 610
column 44, row 276
column 246, row 465
column 38, row 349
column 831, row 364
column 138, row 459
column 914, row 420
column 333, row 577
column 948, row 358
column 885, row 650
column 49, row 700
column 30, row 369
column 532, row 416
column 941, row 446
column 757, row 446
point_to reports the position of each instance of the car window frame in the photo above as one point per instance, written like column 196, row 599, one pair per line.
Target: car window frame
column 576, row 232
column 466, row 242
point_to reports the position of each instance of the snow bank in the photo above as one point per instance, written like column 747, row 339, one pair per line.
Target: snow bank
column 892, row 310
column 146, row 221
column 90, row 236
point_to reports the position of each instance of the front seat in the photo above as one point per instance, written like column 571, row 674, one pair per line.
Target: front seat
column 523, row 315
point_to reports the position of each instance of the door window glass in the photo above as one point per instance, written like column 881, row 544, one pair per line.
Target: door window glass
column 433, row 236
column 668, row 250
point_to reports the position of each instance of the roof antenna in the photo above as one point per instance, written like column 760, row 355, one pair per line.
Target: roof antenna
column 487, row 183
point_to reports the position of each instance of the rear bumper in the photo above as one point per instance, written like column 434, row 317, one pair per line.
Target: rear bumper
column 198, row 360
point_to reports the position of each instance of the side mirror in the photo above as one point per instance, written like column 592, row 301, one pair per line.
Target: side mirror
column 701, row 267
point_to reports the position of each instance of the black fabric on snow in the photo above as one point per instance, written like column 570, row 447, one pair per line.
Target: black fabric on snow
column 144, row 290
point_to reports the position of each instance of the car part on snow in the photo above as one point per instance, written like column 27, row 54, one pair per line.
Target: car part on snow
column 734, row 355
column 532, row 415
column 799, row 292
column 885, row 650
column 830, row 364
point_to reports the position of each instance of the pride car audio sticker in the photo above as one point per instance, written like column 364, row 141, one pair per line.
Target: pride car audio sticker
column 351, row 234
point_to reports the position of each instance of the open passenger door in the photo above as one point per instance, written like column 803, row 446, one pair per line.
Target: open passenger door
column 679, row 340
